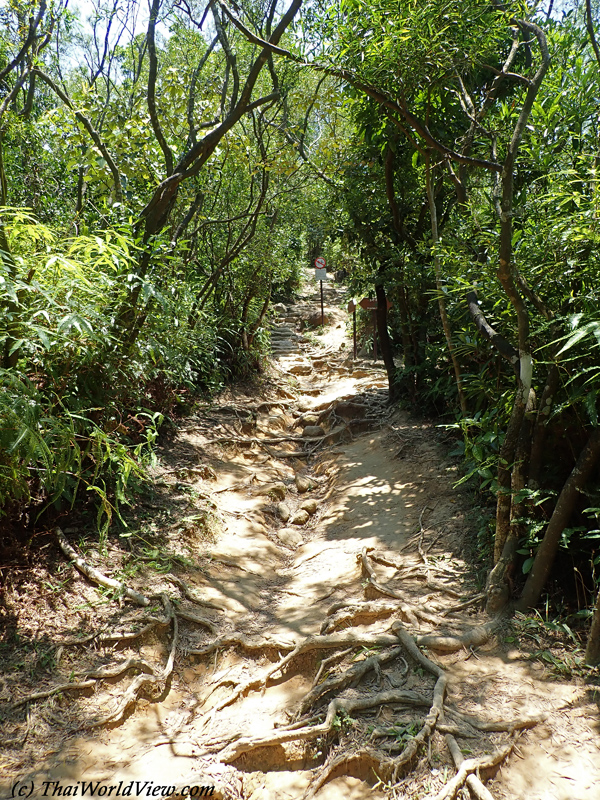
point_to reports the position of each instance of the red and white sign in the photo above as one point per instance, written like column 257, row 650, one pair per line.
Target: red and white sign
column 320, row 263
column 371, row 305
column 368, row 305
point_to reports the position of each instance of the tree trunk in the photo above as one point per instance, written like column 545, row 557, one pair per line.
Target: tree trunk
column 385, row 342
column 440, row 293
column 541, row 422
column 592, row 651
column 509, row 510
column 505, row 544
column 548, row 548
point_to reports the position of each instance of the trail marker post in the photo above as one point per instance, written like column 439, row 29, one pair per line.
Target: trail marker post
column 352, row 310
column 371, row 305
column 321, row 275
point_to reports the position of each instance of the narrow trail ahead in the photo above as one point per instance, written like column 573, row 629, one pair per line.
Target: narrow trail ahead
column 328, row 640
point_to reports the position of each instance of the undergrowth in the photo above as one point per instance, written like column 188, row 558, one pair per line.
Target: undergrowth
column 80, row 405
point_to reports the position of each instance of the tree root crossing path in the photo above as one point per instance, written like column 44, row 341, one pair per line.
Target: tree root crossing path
column 297, row 616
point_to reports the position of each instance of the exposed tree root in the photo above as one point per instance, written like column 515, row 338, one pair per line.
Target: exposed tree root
column 476, row 787
column 245, row 642
column 342, row 615
column 144, row 679
column 191, row 617
column 477, row 598
column 205, row 472
column 412, row 614
column 103, row 636
column 331, row 641
column 129, row 636
column 372, row 578
column 415, row 572
column 473, row 637
column 245, row 442
column 63, row 687
column 367, row 761
column 147, row 675
column 388, row 768
column 105, row 672
column 118, row 669
column 348, row 705
column 470, row 766
column 326, row 662
column 348, row 678
column 437, row 706
column 94, row 575
column 74, row 641
column 506, row 726
column 344, row 705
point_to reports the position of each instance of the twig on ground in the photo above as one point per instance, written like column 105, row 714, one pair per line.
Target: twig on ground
column 95, row 575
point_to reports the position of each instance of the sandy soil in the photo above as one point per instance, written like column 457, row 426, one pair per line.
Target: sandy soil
column 224, row 516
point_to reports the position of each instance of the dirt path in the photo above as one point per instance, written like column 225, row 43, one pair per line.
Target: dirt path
column 317, row 519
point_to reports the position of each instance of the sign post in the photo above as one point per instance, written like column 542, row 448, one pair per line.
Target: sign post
column 352, row 309
column 320, row 275
column 371, row 305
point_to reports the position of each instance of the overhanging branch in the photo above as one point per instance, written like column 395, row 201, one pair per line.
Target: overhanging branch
column 502, row 345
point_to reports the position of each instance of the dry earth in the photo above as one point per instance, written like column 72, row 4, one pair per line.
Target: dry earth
column 312, row 517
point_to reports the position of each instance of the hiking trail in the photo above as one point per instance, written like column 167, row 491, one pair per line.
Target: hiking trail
column 313, row 627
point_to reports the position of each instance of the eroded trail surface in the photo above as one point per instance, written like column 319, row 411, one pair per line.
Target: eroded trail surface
column 313, row 628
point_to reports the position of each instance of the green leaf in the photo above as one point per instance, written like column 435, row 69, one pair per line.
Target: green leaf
column 528, row 564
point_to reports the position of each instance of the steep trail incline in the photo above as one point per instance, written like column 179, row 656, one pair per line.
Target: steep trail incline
column 326, row 637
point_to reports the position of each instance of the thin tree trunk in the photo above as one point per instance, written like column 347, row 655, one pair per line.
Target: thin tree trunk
column 592, row 651
column 544, row 558
column 385, row 342
column 541, row 427
column 506, row 535
column 438, row 281
column 505, row 544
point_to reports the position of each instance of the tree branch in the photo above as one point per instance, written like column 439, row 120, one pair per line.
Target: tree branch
column 502, row 345
column 151, row 91
column 31, row 34
column 94, row 135
column 590, row 29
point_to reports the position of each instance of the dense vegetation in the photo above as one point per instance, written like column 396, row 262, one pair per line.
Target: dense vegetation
column 165, row 173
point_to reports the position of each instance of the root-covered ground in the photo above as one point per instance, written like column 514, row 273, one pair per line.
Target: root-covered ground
column 290, row 614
